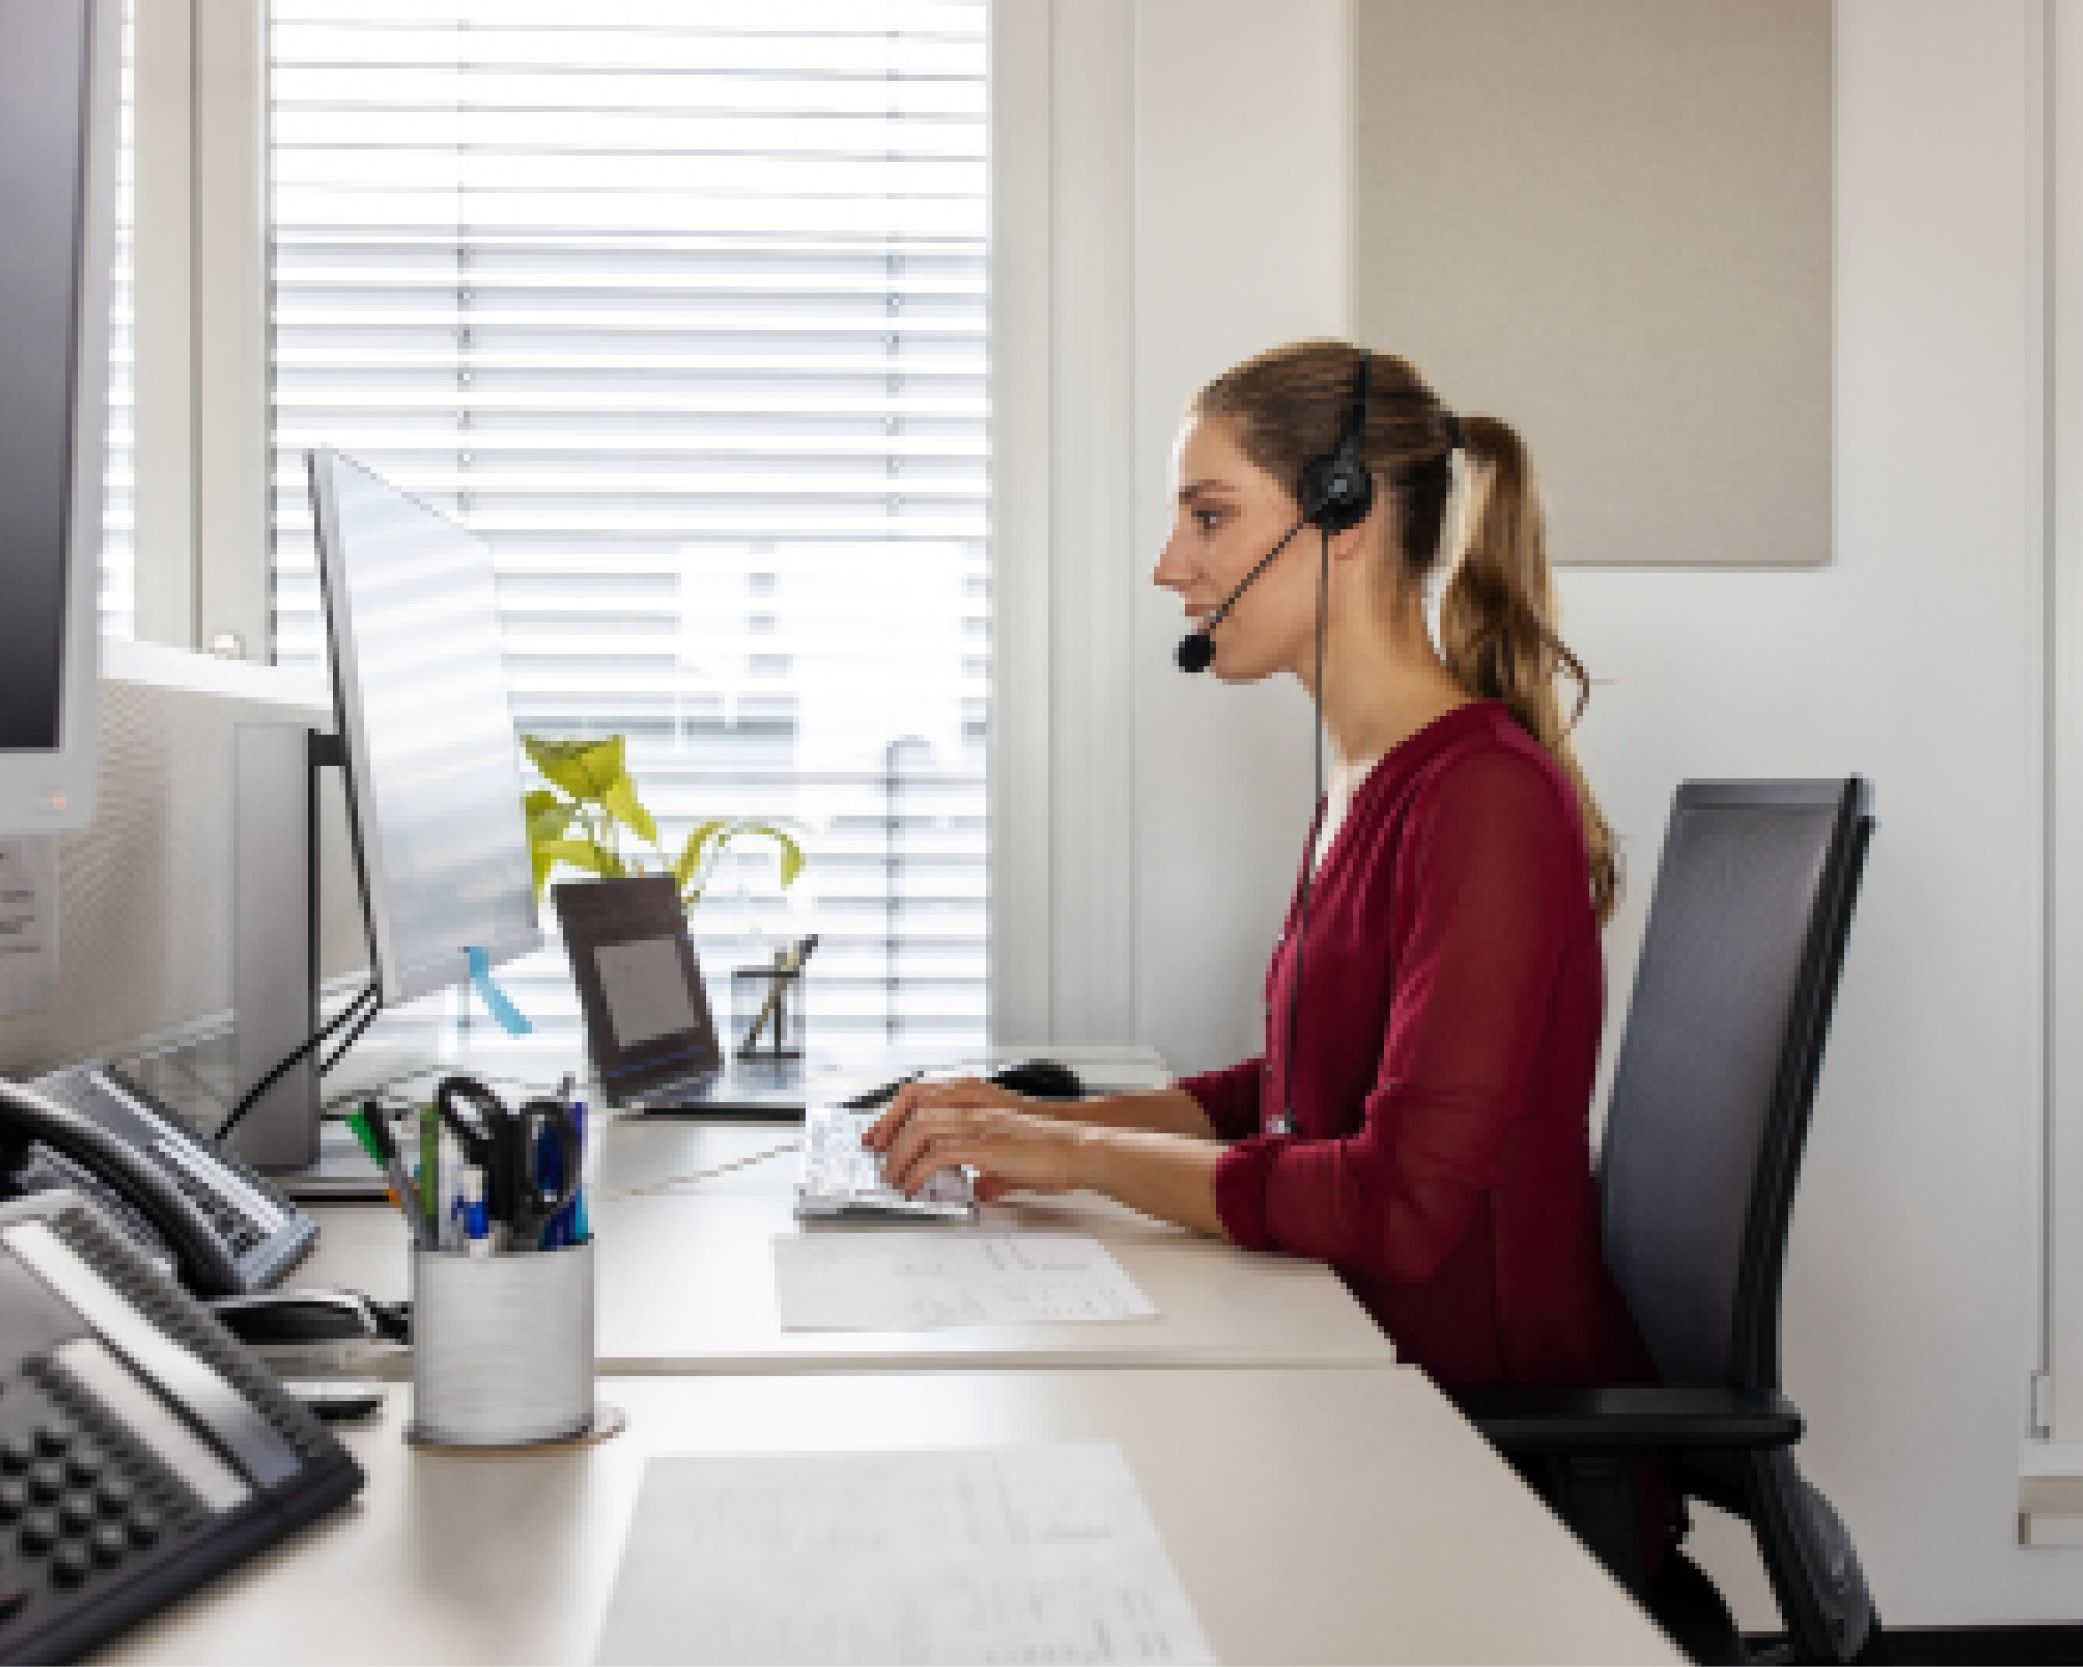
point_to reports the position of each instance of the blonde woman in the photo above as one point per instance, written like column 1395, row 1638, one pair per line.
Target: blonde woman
column 1419, row 1121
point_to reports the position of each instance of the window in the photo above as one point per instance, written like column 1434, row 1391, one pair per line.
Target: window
column 684, row 311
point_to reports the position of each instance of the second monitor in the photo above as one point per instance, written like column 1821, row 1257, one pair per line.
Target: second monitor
column 425, row 736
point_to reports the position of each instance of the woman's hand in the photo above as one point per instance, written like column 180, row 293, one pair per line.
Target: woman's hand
column 934, row 1126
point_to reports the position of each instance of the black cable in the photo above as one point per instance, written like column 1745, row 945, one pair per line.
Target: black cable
column 1316, row 822
column 252, row 1096
column 353, row 1036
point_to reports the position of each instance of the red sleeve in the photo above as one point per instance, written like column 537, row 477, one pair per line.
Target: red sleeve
column 1230, row 1097
column 1495, row 882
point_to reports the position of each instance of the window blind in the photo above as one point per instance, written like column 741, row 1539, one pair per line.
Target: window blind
column 683, row 310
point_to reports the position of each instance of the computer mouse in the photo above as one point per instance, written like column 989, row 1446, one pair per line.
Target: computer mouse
column 1040, row 1079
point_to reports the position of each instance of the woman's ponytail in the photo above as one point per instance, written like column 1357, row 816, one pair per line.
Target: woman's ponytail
column 1497, row 621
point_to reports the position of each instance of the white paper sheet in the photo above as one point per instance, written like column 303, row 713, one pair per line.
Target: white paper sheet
column 1026, row 1554
column 880, row 1280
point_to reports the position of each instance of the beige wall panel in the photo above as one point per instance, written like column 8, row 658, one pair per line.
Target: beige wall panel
column 1609, row 223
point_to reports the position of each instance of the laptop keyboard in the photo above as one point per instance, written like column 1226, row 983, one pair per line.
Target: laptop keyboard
column 842, row 1177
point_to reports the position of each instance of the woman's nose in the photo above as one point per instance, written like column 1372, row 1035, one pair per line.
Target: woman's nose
column 1172, row 571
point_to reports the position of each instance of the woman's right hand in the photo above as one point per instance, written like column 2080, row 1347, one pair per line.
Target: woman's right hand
column 964, row 1092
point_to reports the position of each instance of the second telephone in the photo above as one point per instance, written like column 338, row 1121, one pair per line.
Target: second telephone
column 224, row 1228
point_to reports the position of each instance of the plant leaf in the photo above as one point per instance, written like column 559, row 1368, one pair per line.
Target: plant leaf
column 709, row 841
column 688, row 865
column 792, row 858
column 620, row 801
column 576, row 853
column 584, row 769
column 548, row 816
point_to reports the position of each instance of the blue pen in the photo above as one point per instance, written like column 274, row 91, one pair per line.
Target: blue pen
column 549, row 1181
column 577, row 1229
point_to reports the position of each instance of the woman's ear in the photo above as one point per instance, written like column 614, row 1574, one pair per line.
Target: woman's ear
column 1365, row 540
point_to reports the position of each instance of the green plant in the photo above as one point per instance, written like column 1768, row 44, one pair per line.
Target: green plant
column 580, row 818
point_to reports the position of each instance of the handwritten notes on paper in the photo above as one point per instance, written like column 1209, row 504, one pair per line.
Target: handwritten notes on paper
column 891, row 1281
column 1026, row 1554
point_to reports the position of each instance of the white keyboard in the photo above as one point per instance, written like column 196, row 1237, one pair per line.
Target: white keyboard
column 842, row 1177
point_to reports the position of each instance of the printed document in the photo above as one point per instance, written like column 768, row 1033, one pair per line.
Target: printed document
column 1022, row 1554
column 880, row 1280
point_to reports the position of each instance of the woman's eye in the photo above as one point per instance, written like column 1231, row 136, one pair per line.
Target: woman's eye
column 1207, row 519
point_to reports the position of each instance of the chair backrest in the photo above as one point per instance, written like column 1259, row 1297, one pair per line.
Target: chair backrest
column 1716, row 1074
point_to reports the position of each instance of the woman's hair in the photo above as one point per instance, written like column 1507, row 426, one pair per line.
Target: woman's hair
column 1497, row 612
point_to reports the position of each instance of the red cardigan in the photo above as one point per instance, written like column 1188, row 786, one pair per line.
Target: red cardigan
column 1442, row 1075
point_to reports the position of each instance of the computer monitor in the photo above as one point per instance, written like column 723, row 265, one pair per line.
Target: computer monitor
column 433, row 764
column 60, row 93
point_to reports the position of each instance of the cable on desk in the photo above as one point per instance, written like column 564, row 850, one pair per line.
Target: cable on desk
column 694, row 1177
column 394, row 1095
column 252, row 1096
column 354, row 1035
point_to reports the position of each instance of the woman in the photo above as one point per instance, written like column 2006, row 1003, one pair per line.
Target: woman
column 1420, row 1120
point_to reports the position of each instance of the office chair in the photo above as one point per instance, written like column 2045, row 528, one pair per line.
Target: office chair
column 1704, row 1130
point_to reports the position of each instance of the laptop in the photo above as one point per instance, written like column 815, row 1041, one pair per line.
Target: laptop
column 649, row 1031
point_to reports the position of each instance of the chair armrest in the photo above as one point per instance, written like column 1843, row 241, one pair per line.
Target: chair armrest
column 1632, row 1419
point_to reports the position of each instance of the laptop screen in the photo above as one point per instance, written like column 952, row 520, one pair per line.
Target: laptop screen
column 646, row 999
column 640, row 987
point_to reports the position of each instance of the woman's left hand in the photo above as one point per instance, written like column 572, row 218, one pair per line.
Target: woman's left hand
column 1010, row 1150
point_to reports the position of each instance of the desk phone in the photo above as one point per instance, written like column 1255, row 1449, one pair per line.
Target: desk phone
column 142, row 1449
column 223, row 1227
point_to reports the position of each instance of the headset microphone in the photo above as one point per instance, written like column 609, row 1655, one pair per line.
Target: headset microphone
column 1336, row 491
column 1196, row 650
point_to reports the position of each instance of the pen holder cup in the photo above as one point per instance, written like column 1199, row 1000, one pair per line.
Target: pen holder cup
column 767, row 1012
column 502, row 1347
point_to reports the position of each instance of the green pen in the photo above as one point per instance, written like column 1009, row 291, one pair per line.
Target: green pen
column 374, row 1139
column 365, row 1136
column 430, row 1162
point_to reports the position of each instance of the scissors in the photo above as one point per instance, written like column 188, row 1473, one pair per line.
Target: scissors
column 502, row 1143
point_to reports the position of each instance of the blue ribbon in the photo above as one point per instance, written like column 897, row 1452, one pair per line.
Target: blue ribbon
column 497, row 1002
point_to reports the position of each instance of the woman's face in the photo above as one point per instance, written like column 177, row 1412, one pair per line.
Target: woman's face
column 1229, row 513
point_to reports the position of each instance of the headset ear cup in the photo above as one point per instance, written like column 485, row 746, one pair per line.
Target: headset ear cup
column 1336, row 492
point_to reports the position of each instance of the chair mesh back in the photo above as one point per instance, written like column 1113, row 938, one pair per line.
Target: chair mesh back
column 1711, row 1091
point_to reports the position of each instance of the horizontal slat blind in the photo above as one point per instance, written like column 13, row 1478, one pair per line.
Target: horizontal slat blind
column 682, row 308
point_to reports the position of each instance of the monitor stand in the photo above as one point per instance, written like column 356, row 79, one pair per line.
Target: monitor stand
column 275, row 981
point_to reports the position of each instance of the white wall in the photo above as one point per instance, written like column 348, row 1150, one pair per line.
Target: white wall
column 1240, row 241
column 1915, row 659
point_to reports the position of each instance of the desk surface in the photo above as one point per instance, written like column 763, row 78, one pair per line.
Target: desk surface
column 684, row 1226
column 1313, row 1516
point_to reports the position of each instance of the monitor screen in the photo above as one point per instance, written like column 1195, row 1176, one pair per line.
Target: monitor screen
column 433, row 763
column 58, row 91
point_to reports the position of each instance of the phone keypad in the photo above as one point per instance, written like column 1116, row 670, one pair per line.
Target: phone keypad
column 238, row 1233
column 67, row 1503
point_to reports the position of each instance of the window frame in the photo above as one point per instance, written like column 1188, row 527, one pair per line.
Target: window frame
column 1062, row 380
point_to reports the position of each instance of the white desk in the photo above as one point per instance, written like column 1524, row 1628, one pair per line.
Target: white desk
column 1312, row 1515
column 686, row 1278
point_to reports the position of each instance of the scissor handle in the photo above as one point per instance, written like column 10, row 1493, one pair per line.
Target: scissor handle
column 491, row 1138
column 488, row 1112
column 535, row 1206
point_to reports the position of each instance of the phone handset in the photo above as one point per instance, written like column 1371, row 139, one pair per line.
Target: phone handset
column 28, row 1118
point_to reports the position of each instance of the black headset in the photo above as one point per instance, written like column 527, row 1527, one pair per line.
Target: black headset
column 1337, row 490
